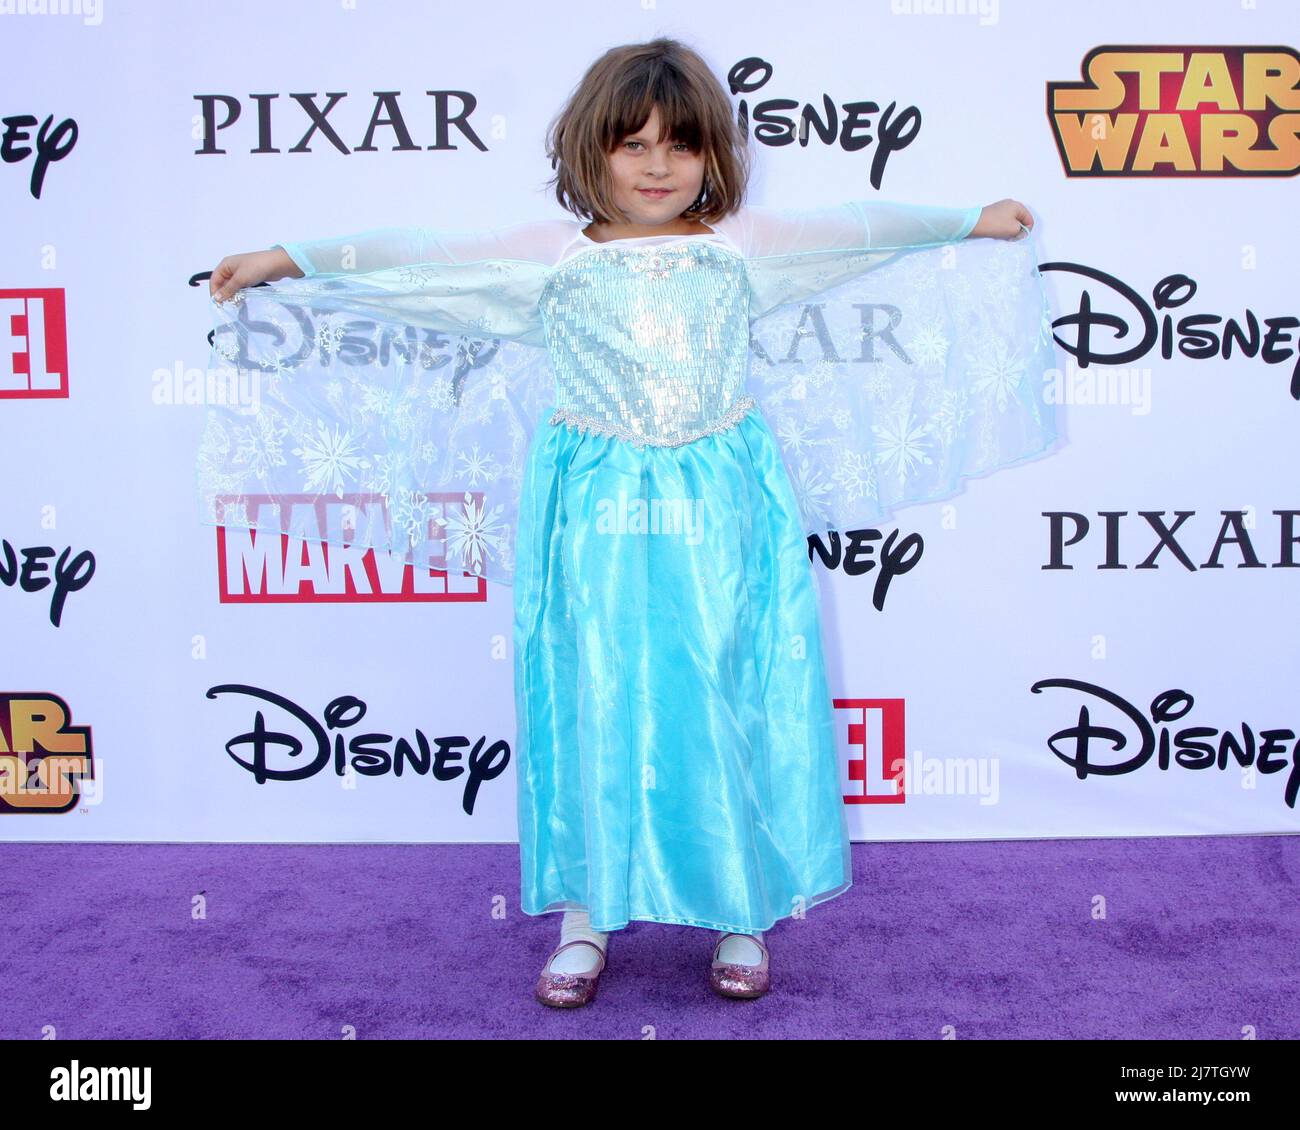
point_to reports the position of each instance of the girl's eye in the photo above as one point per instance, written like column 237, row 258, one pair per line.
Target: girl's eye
column 676, row 145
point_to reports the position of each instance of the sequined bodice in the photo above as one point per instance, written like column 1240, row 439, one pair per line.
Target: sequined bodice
column 649, row 342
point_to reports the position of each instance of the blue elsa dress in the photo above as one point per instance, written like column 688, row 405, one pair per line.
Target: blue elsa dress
column 639, row 436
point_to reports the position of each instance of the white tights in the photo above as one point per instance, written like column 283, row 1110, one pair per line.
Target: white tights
column 738, row 950
column 578, row 959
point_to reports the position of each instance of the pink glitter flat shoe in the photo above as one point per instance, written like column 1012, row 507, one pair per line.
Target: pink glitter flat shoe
column 569, row 990
column 743, row 982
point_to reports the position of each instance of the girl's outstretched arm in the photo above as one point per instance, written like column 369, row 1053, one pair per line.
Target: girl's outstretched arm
column 377, row 249
column 381, row 248
column 869, row 225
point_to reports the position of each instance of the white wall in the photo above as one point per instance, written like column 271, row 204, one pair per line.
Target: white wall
column 133, row 211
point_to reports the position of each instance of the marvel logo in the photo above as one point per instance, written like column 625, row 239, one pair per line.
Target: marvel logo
column 33, row 344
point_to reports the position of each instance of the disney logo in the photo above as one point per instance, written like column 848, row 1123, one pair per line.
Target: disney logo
column 366, row 753
column 1085, row 745
column 1136, row 326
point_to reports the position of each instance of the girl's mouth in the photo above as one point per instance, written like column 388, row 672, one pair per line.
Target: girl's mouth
column 655, row 193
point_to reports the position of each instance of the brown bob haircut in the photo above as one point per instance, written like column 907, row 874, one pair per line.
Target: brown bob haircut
column 614, row 99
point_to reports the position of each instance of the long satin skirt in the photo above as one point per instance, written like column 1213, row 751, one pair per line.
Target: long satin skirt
column 676, row 749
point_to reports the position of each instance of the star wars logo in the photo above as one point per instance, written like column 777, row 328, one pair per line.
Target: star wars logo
column 1179, row 111
column 43, row 759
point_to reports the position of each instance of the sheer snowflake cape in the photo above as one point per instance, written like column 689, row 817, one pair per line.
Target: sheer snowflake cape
column 390, row 408
column 376, row 419
column 924, row 368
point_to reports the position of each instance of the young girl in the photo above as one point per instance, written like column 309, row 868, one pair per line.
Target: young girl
column 676, row 751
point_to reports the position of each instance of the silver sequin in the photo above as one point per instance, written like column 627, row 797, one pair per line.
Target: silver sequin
column 650, row 343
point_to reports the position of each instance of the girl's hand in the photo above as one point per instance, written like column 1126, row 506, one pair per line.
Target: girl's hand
column 235, row 272
column 1003, row 219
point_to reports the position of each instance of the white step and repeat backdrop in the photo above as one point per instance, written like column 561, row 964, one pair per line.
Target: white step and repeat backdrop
column 1101, row 641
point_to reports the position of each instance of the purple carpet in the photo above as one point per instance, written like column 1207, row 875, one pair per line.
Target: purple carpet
column 1200, row 938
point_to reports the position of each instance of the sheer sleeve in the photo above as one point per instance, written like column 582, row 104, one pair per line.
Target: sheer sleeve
column 379, row 249
column 862, row 224
column 795, row 253
column 483, row 284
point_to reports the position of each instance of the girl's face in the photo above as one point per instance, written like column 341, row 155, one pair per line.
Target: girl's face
column 641, row 163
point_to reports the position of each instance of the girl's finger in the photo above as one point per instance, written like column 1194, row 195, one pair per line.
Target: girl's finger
column 218, row 279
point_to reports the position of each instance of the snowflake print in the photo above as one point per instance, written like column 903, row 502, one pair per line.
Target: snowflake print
column 929, row 345
column 328, row 459
column 226, row 346
column 276, row 365
column 413, row 514
column 215, row 465
column 812, row 490
column 476, row 466
column 793, row 434
column 998, row 370
column 902, row 443
column 1002, row 275
column 441, row 394
column 472, row 531
column 381, row 402
column 952, row 412
column 820, row 373
column 329, row 333
column 334, row 394
column 856, row 475
column 406, row 415
column 260, row 445
column 877, row 384
column 384, row 475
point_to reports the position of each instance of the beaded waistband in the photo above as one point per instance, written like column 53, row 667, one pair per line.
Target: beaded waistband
column 598, row 426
